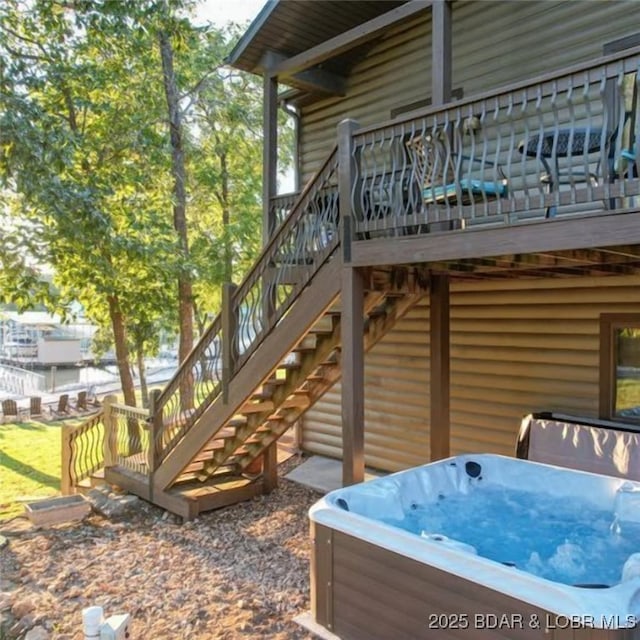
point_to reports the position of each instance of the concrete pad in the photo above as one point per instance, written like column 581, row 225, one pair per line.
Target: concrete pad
column 323, row 474
column 306, row 621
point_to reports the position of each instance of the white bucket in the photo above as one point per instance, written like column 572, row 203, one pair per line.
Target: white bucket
column 91, row 621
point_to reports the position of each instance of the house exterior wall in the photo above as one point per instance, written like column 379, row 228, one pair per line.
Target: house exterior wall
column 494, row 44
column 516, row 346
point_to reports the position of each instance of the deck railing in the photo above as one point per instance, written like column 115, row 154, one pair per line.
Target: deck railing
column 127, row 441
column 82, row 452
column 20, row 381
column 303, row 242
column 559, row 144
column 280, row 207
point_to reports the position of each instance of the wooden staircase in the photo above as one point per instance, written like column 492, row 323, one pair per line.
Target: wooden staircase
column 211, row 466
column 265, row 359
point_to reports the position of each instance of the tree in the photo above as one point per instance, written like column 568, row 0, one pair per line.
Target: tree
column 80, row 145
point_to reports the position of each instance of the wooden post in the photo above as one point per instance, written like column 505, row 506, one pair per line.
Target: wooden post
column 229, row 331
column 270, row 468
column 352, row 322
column 269, row 152
column 65, row 462
column 346, row 177
column 352, row 328
column 439, row 354
column 441, row 68
column 155, row 428
column 110, row 432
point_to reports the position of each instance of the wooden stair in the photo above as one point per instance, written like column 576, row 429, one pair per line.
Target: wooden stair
column 208, row 467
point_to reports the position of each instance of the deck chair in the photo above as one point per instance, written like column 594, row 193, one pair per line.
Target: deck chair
column 63, row 406
column 35, row 407
column 449, row 177
column 9, row 410
column 81, row 402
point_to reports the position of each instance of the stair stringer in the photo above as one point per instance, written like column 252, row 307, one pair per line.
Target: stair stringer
column 311, row 304
column 376, row 328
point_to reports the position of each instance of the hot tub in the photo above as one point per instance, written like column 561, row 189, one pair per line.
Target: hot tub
column 449, row 550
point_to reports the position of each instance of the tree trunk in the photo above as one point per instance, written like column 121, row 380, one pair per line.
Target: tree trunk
column 178, row 171
column 142, row 373
column 126, row 379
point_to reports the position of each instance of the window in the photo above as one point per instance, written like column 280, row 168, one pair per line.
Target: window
column 620, row 366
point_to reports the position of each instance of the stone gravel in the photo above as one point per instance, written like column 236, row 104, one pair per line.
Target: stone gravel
column 240, row 572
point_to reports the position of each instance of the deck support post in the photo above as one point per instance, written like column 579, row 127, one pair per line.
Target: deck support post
column 441, row 79
column 229, row 332
column 270, row 468
column 155, row 427
column 352, row 319
column 439, row 427
column 352, row 328
column 269, row 153
column 66, row 487
column 110, row 432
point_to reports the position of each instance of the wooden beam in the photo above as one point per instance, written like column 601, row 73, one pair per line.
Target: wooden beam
column 352, row 328
column 349, row 39
column 439, row 428
column 269, row 153
column 229, row 330
column 441, row 52
column 270, row 468
column 320, row 81
column 346, row 175
column 580, row 232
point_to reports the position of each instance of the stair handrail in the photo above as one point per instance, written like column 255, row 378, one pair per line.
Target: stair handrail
column 82, row 451
column 217, row 321
column 171, row 416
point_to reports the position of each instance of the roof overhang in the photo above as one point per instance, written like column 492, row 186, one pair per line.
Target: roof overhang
column 311, row 47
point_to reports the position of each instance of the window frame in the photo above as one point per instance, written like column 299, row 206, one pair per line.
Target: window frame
column 609, row 324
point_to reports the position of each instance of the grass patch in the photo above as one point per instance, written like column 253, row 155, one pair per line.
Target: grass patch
column 627, row 393
column 29, row 463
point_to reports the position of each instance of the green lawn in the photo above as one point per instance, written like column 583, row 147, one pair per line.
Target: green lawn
column 627, row 393
column 29, row 463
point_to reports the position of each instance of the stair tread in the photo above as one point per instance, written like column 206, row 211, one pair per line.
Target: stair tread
column 215, row 484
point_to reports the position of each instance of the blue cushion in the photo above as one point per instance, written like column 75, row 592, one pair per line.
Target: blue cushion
column 486, row 187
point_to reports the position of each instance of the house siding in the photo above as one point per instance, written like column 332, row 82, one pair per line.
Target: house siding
column 516, row 346
column 494, row 44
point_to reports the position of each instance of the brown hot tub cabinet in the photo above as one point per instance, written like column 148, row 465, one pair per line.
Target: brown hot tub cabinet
column 361, row 590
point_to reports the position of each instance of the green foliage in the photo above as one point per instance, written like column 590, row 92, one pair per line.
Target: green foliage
column 85, row 161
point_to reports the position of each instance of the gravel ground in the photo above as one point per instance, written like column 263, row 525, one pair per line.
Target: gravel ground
column 240, row 572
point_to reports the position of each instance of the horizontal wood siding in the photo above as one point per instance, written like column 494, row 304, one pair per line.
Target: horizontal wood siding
column 396, row 401
column 394, row 73
column 522, row 346
column 516, row 347
column 494, row 44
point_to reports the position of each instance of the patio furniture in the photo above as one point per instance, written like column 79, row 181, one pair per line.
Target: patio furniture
column 574, row 146
column 9, row 410
column 63, row 406
column 449, row 177
column 81, row 402
column 35, row 407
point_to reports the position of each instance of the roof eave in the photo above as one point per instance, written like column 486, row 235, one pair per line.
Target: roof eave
column 250, row 33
